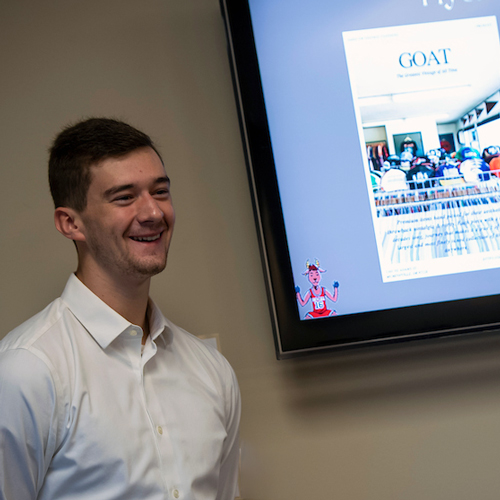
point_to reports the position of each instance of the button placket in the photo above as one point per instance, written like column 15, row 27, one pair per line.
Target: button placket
column 159, row 423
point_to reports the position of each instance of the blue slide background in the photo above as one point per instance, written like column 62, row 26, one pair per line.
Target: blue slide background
column 317, row 150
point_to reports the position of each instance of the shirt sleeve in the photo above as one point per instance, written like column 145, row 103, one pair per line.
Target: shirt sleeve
column 228, row 476
column 28, row 424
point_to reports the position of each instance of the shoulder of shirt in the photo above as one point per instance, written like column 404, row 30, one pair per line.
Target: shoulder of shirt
column 24, row 363
column 206, row 354
column 32, row 330
column 195, row 343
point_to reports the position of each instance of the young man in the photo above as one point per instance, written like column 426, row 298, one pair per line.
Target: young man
column 102, row 397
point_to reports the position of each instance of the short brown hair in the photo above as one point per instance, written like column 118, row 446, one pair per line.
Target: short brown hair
column 78, row 147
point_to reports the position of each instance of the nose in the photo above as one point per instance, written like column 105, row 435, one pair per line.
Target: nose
column 149, row 210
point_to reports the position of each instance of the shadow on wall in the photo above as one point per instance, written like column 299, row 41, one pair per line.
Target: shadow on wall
column 432, row 375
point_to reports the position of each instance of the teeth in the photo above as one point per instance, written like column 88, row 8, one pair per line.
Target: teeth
column 146, row 238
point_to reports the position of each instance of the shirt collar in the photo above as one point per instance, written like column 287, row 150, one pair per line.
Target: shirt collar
column 157, row 322
column 102, row 322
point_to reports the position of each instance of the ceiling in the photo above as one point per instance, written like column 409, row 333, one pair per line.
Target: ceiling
column 445, row 105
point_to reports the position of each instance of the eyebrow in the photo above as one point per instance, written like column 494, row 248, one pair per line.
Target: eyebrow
column 125, row 187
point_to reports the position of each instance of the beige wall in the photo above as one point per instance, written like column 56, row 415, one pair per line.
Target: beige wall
column 409, row 422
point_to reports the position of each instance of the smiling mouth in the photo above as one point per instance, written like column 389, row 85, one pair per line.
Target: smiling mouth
column 146, row 238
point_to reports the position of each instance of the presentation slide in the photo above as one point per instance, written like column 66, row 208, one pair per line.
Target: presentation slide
column 385, row 127
column 428, row 220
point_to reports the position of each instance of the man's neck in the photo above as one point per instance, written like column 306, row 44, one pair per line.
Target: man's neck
column 128, row 297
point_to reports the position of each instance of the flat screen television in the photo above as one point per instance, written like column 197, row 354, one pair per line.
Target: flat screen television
column 372, row 138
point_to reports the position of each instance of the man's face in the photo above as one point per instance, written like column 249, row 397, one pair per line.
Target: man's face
column 129, row 217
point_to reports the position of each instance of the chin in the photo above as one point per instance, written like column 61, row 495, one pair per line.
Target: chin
column 153, row 268
column 150, row 270
column 143, row 269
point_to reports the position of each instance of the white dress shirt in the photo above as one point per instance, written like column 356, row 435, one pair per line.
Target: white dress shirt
column 84, row 416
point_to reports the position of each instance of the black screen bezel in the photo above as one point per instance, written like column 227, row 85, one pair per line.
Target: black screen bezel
column 293, row 336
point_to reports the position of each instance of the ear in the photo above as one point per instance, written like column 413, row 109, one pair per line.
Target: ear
column 69, row 223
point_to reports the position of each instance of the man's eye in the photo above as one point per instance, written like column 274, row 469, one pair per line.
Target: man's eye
column 125, row 197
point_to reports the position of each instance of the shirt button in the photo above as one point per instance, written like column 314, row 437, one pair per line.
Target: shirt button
column 176, row 493
column 160, row 431
column 133, row 333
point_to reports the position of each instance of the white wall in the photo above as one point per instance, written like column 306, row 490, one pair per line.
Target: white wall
column 489, row 134
column 374, row 134
column 406, row 422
